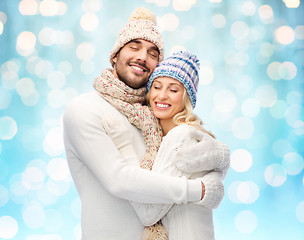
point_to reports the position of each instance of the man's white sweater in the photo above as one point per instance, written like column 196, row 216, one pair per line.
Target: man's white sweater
column 105, row 181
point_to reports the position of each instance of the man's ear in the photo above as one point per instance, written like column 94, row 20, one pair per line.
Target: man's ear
column 114, row 59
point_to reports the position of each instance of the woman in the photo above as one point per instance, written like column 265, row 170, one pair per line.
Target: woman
column 172, row 96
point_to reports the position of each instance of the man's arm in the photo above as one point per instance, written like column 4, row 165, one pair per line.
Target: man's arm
column 89, row 142
column 212, row 185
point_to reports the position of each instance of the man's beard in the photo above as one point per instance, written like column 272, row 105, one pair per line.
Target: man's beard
column 133, row 83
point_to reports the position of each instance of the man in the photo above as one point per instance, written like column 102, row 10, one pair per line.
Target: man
column 104, row 180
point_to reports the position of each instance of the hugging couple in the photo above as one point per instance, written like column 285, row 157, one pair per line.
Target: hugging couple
column 142, row 162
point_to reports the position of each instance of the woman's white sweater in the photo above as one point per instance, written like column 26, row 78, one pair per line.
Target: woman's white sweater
column 189, row 221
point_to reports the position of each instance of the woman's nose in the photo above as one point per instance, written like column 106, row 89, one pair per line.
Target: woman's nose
column 163, row 94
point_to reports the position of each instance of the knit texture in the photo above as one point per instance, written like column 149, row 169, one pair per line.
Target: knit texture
column 141, row 25
column 129, row 102
column 182, row 66
column 155, row 232
column 177, row 140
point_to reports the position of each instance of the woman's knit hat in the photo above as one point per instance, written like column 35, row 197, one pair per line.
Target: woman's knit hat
column 142, row 25
column 182, row 66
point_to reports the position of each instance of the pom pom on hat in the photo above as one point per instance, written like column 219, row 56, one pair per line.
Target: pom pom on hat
column 144, row 14
column 141, row 25
column 183, row 66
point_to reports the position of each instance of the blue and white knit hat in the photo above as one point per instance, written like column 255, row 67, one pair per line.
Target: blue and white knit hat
column 182, row 66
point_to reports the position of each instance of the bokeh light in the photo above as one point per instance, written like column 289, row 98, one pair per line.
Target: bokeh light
column 285, row 35
column 89, row 22
column 168, row 22
column 180, row 5
column 4, row 196
column 242, row 128
column 266, row 95
column 266, row 14
column 293, row 163
column 28, row 7
column 243, row 192
column 8, row 227
column 218, row 20
column 275, row 175
column 8, row 128
column 246, row 221
column 300, row 212
column 248, row 8
column 292, row 3
column 26, row 42
column 250, row 97
column 33, row 215
column 241, row 160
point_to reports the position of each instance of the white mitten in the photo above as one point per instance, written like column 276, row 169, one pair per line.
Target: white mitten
column 204, row 154
column 120, row 135
column 214, row 190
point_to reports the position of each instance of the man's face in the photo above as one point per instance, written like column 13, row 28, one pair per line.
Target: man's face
column 135, row 62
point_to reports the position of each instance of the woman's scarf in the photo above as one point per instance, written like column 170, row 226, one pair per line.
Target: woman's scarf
column 129, row 102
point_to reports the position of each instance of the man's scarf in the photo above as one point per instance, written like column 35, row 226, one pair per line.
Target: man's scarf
column 129, row 102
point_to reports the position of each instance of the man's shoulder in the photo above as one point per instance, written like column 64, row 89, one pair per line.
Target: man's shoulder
column 85, row 98
column 87, row 101
column 88, row 105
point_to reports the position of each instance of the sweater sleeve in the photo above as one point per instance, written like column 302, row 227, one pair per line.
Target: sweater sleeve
column 87, row 141
column 214, row 189
column 164, row 163
column 150, row 214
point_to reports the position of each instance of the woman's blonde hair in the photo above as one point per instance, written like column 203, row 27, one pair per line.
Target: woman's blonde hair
column 187, row 116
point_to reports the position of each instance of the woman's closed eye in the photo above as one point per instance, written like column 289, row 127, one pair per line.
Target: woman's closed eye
column 156, row 87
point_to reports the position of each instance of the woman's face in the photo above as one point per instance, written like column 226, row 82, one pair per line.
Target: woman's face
column 166, row 97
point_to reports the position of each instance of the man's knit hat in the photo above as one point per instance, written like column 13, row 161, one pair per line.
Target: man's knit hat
column 182, row 66
column 142, row 25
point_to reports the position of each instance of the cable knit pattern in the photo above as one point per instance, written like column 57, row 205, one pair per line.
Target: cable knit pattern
column 178, row 139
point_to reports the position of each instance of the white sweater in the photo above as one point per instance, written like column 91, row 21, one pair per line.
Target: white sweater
column 105, row 181
column 188, row 221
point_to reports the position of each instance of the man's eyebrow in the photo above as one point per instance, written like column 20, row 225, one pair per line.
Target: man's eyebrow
column 154, row 48
column 135, row 41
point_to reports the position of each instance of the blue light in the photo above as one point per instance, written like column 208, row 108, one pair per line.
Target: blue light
column 250, row 97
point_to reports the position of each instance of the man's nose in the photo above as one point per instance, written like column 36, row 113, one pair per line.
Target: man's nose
column 142, row 55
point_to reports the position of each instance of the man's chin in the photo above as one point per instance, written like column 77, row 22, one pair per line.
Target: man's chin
column 136, row 86
column 137, row 83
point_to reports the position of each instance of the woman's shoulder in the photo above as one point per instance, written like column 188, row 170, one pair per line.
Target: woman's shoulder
column 183, row 130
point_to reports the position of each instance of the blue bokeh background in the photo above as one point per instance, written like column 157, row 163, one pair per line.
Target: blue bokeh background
column 250, row 96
